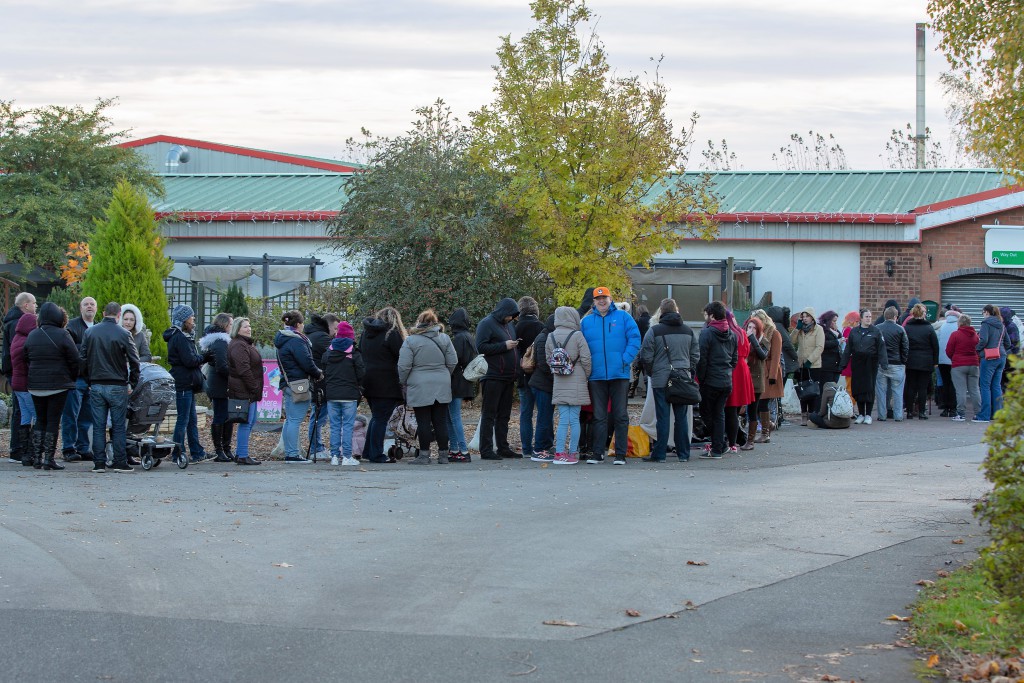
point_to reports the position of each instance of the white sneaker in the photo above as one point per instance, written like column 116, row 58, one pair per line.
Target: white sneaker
column 867, row 419
column 349, row 462
column 321, row 455
column 334, row 460
column 859, row 420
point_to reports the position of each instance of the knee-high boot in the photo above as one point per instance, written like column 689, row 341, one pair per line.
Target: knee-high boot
column 225, row 439
column 49, row 451
column 751, row 435
column 37, row 449
column 217, row 432
column 766, row 428
column 26, row 450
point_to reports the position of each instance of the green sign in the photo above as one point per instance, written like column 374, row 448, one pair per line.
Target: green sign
column 1008, row 258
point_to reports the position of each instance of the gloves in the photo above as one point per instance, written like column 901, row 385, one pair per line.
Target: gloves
column 807, row 364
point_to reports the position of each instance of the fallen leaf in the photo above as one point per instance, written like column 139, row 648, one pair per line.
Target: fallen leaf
column 697, row 563
column 932, row 661
column 283, row 564
column 902, row 643
column 925, row 583
column 942, row 572
column 958, row 541
column 830, row 677
column 559, row 622
column 544, row 465
column 960, row 626
column 896, row 617
column 632, row 613
column 671, row 616
column 689, row 605
column 986, row 669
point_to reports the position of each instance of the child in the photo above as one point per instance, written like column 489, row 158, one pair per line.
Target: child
column 343, row 378
column 570, row 368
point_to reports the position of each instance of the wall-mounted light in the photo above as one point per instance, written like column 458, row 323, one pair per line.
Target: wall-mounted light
column 890, row 267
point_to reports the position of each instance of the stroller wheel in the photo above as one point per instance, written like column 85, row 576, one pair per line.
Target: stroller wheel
column 395, row 453
column 147, row 461
column 156, row 462
column 182, row 460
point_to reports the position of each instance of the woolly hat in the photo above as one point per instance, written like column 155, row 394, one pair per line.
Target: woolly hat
column 180, row 314
column 345, row 330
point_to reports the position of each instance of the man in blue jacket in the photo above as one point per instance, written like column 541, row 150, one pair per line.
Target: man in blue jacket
column 614, row 341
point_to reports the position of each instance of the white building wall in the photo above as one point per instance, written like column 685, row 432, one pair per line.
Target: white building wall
column 798, row 274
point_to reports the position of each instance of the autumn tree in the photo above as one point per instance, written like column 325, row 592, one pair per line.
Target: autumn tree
column 984, row 42
column 128, row 263
column 594, row 160
column 427, row 224
column 59, row 166
column 816, row 153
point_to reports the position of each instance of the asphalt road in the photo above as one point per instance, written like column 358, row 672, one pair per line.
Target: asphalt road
column 801, row 548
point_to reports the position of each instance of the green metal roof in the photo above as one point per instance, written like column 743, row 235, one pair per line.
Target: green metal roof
column 862, row 192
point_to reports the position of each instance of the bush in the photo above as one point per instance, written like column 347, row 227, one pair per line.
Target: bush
column 67, row 298
column 233, row 302
column 1003, row 508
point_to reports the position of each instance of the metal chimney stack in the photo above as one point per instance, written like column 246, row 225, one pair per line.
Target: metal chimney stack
column 921, row 136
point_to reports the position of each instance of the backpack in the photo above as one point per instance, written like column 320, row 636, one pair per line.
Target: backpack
column 842, row 405
column 560, row 362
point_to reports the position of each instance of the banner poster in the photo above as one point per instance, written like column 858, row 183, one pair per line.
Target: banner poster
column 270, row 407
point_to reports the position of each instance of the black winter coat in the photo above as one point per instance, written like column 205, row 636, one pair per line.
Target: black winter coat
column 10, row 324
column 380, row 346
column 896, row 343
column 214, row 345
column 186, row 363
column 343, row 376
column 718, row 357
column 541, row 379
column 465, row 351
column 318, row 332
column 923, row 353
column 51, row 353
column 831, row 355
column 491, row 335
column 109, row 355
column 77, row 328
column 527, row 328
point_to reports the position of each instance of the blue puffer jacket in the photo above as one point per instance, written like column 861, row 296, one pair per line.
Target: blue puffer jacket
column 296, row 355
column 614, row 341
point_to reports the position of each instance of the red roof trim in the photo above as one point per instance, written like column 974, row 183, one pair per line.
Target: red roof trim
column 969, row 199
column 817, row 217
column 229, row 216
column 243, row 151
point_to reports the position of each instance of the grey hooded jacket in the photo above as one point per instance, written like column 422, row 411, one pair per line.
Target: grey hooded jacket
column 425, row 364
column 570, row 390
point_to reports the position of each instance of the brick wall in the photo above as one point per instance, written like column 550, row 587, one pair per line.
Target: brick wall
column 876, row 286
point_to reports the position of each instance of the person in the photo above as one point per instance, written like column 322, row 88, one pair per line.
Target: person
column 775, row 379
column 643, row 323
column 851, row 321
column 718, row 357
column 962, row 350
column 833, row 349
column 496, row 340
column 214, row 345
column 527, row 327
column 542, row 385
column 321, row 331
column 905, row 316
column 568, row 391
column 425, row 364
column 809, row 340
column 888, row 403
column 742, row 393
column 19, row 385
column 52, row 370
column 186, row 363
column 866, row 355
column 946, row 393
column 380, row 343
column 892, row 374
column 24, row 302
column 780, row 316
column 343, row 380
column 131, row 320
column 670, row 342
column 1010, row 320
column 245, row 381
column 77, row 419
column 462, row 389
column 295, row 358
column 110, row 364
column 614, row 341
column 992, row 335
column 756, row 358
column 824, row 418
column 922, row 357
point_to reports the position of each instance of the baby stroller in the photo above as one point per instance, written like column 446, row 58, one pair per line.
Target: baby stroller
column 402, row 426
column 147, row 407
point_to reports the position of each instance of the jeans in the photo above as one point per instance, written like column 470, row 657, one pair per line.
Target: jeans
column 295, row 413
column 316, row 429
column 712, row 412
column 112, row 400
column 343, row 419
column 544, row 436
column 568, row 425
column 891, row 379
column 601, row 391
column 456, row 431
column 662, row 410
column 26, row 408
column 380, row 413
column 497, row 409
column 244, row 430
column 77, row 421
column 965, row 379
column 526, row 403
column 991, row 374
column 186, row 425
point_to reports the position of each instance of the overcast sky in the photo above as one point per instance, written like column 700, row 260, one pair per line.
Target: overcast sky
column 303, row 75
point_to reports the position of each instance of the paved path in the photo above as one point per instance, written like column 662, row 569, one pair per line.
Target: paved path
column 447, row 573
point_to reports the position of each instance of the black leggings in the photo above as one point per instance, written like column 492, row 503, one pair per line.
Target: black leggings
column 732, row 423
column 865, row 407
column 432, row 425
column 760, row 405
column 48, row 411
column 916, row 394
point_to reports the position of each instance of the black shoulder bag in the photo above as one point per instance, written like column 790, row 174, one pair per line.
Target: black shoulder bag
column 680, row 389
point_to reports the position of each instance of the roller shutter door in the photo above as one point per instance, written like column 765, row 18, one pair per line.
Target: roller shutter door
column 972, row 292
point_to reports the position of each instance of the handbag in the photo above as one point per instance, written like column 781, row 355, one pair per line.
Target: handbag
column 993, row 353
column 680, row 388
column 529, row 363
column 807, row 389
column 301, row 388
column 476, row 369
column 238, row 410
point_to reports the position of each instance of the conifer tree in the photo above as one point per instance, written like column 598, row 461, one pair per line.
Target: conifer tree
column 128, row 262
column 233, row 302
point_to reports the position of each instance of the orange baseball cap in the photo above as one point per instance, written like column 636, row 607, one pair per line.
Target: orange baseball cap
column 601, row 291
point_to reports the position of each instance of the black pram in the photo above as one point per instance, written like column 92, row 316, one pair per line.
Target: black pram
column 147, row 407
